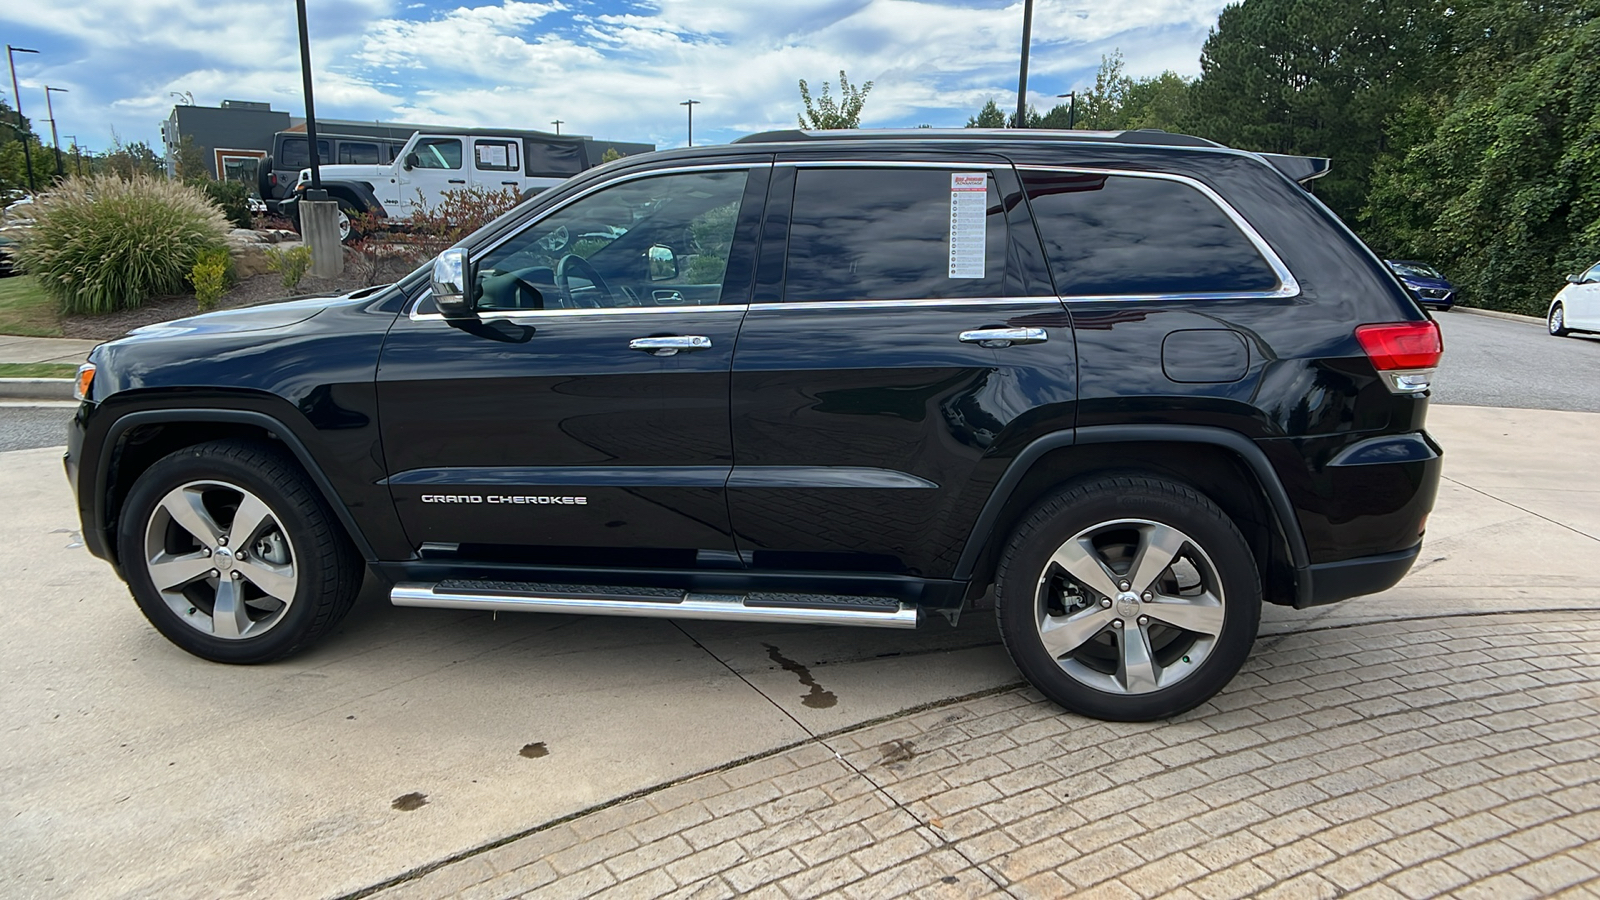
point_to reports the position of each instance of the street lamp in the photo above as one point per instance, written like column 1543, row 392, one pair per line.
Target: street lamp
column 1072, row 108
column 316, row 192
column 1022, row 78
column 27, row 153
column 690, row 104
column 557, row 123
column 51, row 112
column 77, row 153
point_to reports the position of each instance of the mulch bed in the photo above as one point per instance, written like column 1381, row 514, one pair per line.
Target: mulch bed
column 248, row 292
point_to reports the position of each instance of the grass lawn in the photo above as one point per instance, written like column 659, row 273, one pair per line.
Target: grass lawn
column 25, row 310
column 38, row 370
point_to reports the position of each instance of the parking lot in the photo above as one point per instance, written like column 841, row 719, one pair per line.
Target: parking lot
column 1438, row 737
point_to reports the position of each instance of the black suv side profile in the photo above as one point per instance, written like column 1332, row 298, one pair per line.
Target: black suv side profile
column 1124, row 388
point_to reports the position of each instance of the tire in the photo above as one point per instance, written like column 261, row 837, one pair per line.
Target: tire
column 348, row 232
column 1556, row 321
column 1068, row 629
column 295, row 576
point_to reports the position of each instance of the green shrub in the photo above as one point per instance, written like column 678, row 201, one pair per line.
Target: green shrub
column 211, row 275
column 290, row 264
column 232, row 197
column 102, row 244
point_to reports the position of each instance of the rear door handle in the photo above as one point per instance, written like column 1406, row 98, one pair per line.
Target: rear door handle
column 670, row 346
column 458, row 181
column 998, row 338
column 509, row 183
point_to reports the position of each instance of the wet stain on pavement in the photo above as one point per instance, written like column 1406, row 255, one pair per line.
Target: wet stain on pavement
column 896, row 751
column 408, row 802
column 535, row 750
column 817, row 698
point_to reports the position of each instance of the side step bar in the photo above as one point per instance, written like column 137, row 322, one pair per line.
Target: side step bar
column 660, row 603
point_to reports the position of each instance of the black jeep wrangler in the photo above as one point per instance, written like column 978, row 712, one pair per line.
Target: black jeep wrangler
column 1124, row 388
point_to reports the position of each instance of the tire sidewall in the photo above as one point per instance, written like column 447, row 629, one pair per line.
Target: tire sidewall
column 191, row 465
column 1057, row 520
column 1550, row 320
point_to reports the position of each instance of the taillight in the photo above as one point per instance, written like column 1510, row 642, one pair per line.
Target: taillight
column 1404, row 353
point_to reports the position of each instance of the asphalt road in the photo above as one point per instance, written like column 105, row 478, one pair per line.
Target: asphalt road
column 1487, row 362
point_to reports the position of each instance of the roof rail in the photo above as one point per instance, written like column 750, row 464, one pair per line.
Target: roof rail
column 1153, row 136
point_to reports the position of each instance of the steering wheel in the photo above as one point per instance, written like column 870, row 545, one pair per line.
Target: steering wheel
column 573, row 264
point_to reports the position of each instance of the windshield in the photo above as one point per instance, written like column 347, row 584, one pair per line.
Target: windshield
column 1415, row 270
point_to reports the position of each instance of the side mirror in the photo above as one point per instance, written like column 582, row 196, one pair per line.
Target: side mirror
column 450, row 279
column 663, row 263
column 411, row 161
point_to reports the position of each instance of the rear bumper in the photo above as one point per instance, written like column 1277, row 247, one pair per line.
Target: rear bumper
column 1335, row 581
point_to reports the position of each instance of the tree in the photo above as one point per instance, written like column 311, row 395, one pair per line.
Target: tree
column 988, row 117
column 826, row 113
column 191, row 161
column 128, row 160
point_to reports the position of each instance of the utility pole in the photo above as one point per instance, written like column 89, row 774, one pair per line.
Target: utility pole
column 557, row 123
column 690, row 104
column 1022, row 78
column 51, row 112
column 27, row 152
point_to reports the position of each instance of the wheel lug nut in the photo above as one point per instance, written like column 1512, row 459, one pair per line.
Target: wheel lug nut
column 234, row 575
column 1148, row 596
column 223, row 540
column 240, row 556
column 1116, row 623
column 1106, row 603
column 1123, row 585
column 1144, row 620
column 206, row 551
column 213, row 573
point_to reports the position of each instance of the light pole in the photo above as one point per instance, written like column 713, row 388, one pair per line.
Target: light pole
column 557, row 123
column 1072, row 108
column 1022, row 77
column 311, row 107
column 27, row 153
column 50, row 111
column 77, row 153
column 690, row 104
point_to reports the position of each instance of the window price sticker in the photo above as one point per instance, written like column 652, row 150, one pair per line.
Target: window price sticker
column 969, row 192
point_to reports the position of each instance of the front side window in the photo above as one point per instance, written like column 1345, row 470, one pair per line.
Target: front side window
column 657, row 241
column 496, row 156
column 1117, row 235
column 895, row 234
column 437, row 153
column 1593, row 275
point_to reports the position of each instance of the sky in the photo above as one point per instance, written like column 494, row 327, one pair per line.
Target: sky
column 614, row 69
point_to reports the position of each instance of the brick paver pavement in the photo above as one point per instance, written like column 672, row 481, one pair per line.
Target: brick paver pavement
column 1455, row 756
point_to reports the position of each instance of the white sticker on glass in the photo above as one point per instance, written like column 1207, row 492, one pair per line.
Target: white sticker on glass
column 492, row 155
column 969, row 194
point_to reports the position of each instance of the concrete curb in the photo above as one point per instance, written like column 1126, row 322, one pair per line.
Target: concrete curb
column 1496, row 314
column 35, row 388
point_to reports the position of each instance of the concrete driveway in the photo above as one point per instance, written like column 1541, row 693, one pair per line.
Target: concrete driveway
column 416, row 736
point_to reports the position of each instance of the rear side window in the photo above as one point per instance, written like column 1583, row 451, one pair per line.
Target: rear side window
column 1117, row 235
column 356, row 153
column 296, row 156
column 895, row 234
column 496, row 156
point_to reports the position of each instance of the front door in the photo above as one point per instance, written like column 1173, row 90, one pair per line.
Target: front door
column 432, row 166
column 584, row 418
column 1583, row 303
column 878, row 384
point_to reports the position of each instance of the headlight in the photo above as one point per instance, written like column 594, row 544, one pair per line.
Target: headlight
column 83, row 385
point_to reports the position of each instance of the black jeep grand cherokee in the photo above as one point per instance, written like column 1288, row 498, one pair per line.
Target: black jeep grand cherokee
column 1137, row 384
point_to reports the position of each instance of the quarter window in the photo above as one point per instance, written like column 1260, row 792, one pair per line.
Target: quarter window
column 1116, row 235
column 895, row 234
column 437, row 153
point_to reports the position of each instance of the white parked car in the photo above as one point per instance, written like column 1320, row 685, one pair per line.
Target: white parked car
column 1577, row 306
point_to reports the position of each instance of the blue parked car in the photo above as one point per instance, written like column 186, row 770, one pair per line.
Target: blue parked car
column 1424, row 282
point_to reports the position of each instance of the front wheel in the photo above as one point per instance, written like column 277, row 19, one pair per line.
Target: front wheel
column 1557, row 321
column 1128, row 598
column 233, row 555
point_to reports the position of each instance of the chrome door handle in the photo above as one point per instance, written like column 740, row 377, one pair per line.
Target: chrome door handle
column 669, row 346
column 997, row 338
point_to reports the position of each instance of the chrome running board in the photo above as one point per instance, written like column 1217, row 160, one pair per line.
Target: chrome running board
column 659, row 603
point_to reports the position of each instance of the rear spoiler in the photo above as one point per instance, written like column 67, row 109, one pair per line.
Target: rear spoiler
column 1301, row 169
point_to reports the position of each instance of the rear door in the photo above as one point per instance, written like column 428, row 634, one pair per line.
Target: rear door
column 497, row 164
column 903, row 325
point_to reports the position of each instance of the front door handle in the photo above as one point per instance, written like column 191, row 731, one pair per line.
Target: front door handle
column 998, row 338
column 669, row 346
column 458, row 181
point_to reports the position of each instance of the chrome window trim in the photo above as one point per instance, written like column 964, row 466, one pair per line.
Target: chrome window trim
column 996, row 162
column 496, row 315
column 477, row 255
column 890, row 304
column 1288, row 285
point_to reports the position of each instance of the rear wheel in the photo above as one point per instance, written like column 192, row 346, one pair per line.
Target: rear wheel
column 233, row 556
column 1128, row 598
column 1557, row 321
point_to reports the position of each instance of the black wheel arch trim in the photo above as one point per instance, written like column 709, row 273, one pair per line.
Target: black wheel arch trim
column 128, row 421
column 1252, row 455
